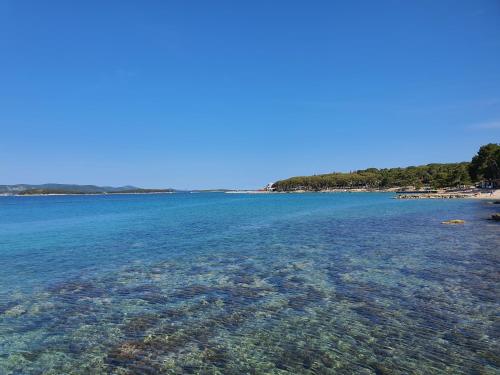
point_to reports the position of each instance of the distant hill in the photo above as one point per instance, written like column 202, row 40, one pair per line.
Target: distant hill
column 26, row 189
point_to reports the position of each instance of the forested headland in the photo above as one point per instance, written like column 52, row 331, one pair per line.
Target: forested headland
column 484, row 166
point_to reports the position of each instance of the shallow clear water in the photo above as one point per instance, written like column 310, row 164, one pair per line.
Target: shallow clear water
column 257, row 284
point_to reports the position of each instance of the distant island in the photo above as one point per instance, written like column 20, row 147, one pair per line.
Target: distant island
column 70, row 189
column 483, row 169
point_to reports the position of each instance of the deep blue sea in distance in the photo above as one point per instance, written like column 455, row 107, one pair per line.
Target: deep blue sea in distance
column 214, row 283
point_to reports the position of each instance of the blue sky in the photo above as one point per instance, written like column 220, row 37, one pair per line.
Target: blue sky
column 205, row 94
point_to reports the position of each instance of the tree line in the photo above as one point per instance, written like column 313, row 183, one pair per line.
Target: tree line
column 484, row 166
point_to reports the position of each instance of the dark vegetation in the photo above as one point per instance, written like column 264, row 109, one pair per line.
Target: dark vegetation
column 485, row 166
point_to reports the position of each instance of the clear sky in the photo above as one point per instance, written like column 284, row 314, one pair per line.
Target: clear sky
column 204, row 94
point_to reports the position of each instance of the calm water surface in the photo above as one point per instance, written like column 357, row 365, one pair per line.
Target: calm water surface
column 248, row 284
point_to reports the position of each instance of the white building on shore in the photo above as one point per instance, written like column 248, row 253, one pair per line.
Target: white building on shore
column 269, row 187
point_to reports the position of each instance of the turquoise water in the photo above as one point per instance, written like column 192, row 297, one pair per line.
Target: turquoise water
column 248, row 284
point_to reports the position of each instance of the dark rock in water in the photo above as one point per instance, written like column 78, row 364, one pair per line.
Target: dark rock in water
column 233, row 319
column 76, row 348
column 243, row 279
column 327, row 360
column 282, row 284
column 33, row 355
column 298, row 302
column 146, row 292
column 490, row 358
column 154, row 298
column 405, row 271
column 370, row 312
column 73, row 290
column 309, row 296
column 192, row 291
column 294, row 359
column 381, row 369
column 136, row 326
column 281, row 365
column 297, row 280
column 307, row 361
column 216, row 356
column 240, row 294
column 134, row 357
column 197, row 270
column 190, row 369
column 124, row 354
column 314, row 294
column 495, row 217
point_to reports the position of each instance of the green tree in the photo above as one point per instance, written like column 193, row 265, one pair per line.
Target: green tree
column 486, row 164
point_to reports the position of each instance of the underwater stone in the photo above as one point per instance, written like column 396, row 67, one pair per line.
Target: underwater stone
column 453, row 221
column 216, row 356
column 15, row 311
column 380, row 369
column 33, row 355
column 138, row 325
column 7, row 306
column 243, row 279
column 327, row 360
column 192, row 291
column 78, row 288
column 371, row 313
column 491, row 358
column 124, row 354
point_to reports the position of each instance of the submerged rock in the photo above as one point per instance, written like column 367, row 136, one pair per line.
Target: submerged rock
column 495, row 217
column 454, row 221
column 216, row 356
column 15, row 311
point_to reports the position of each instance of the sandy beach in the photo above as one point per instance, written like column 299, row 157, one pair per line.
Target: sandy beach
column 494, row 194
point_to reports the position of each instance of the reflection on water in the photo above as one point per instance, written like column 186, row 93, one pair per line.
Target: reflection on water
column 316, row 287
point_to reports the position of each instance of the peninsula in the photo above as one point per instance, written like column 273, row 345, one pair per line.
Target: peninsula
column 483, row 171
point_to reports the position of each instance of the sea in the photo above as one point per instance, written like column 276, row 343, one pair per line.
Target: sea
column 214, row 283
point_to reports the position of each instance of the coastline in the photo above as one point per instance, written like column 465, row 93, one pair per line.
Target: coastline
column 481, row 194
column 358, row 190
column 484, row 194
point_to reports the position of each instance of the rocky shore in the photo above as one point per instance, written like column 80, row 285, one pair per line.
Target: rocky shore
column 433, row 196
column 464, row 194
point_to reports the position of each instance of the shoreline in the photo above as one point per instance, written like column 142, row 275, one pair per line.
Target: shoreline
column 480, row 196
column 483, row 194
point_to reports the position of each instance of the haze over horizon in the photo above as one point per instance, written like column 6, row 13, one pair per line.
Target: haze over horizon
column 226, row 95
